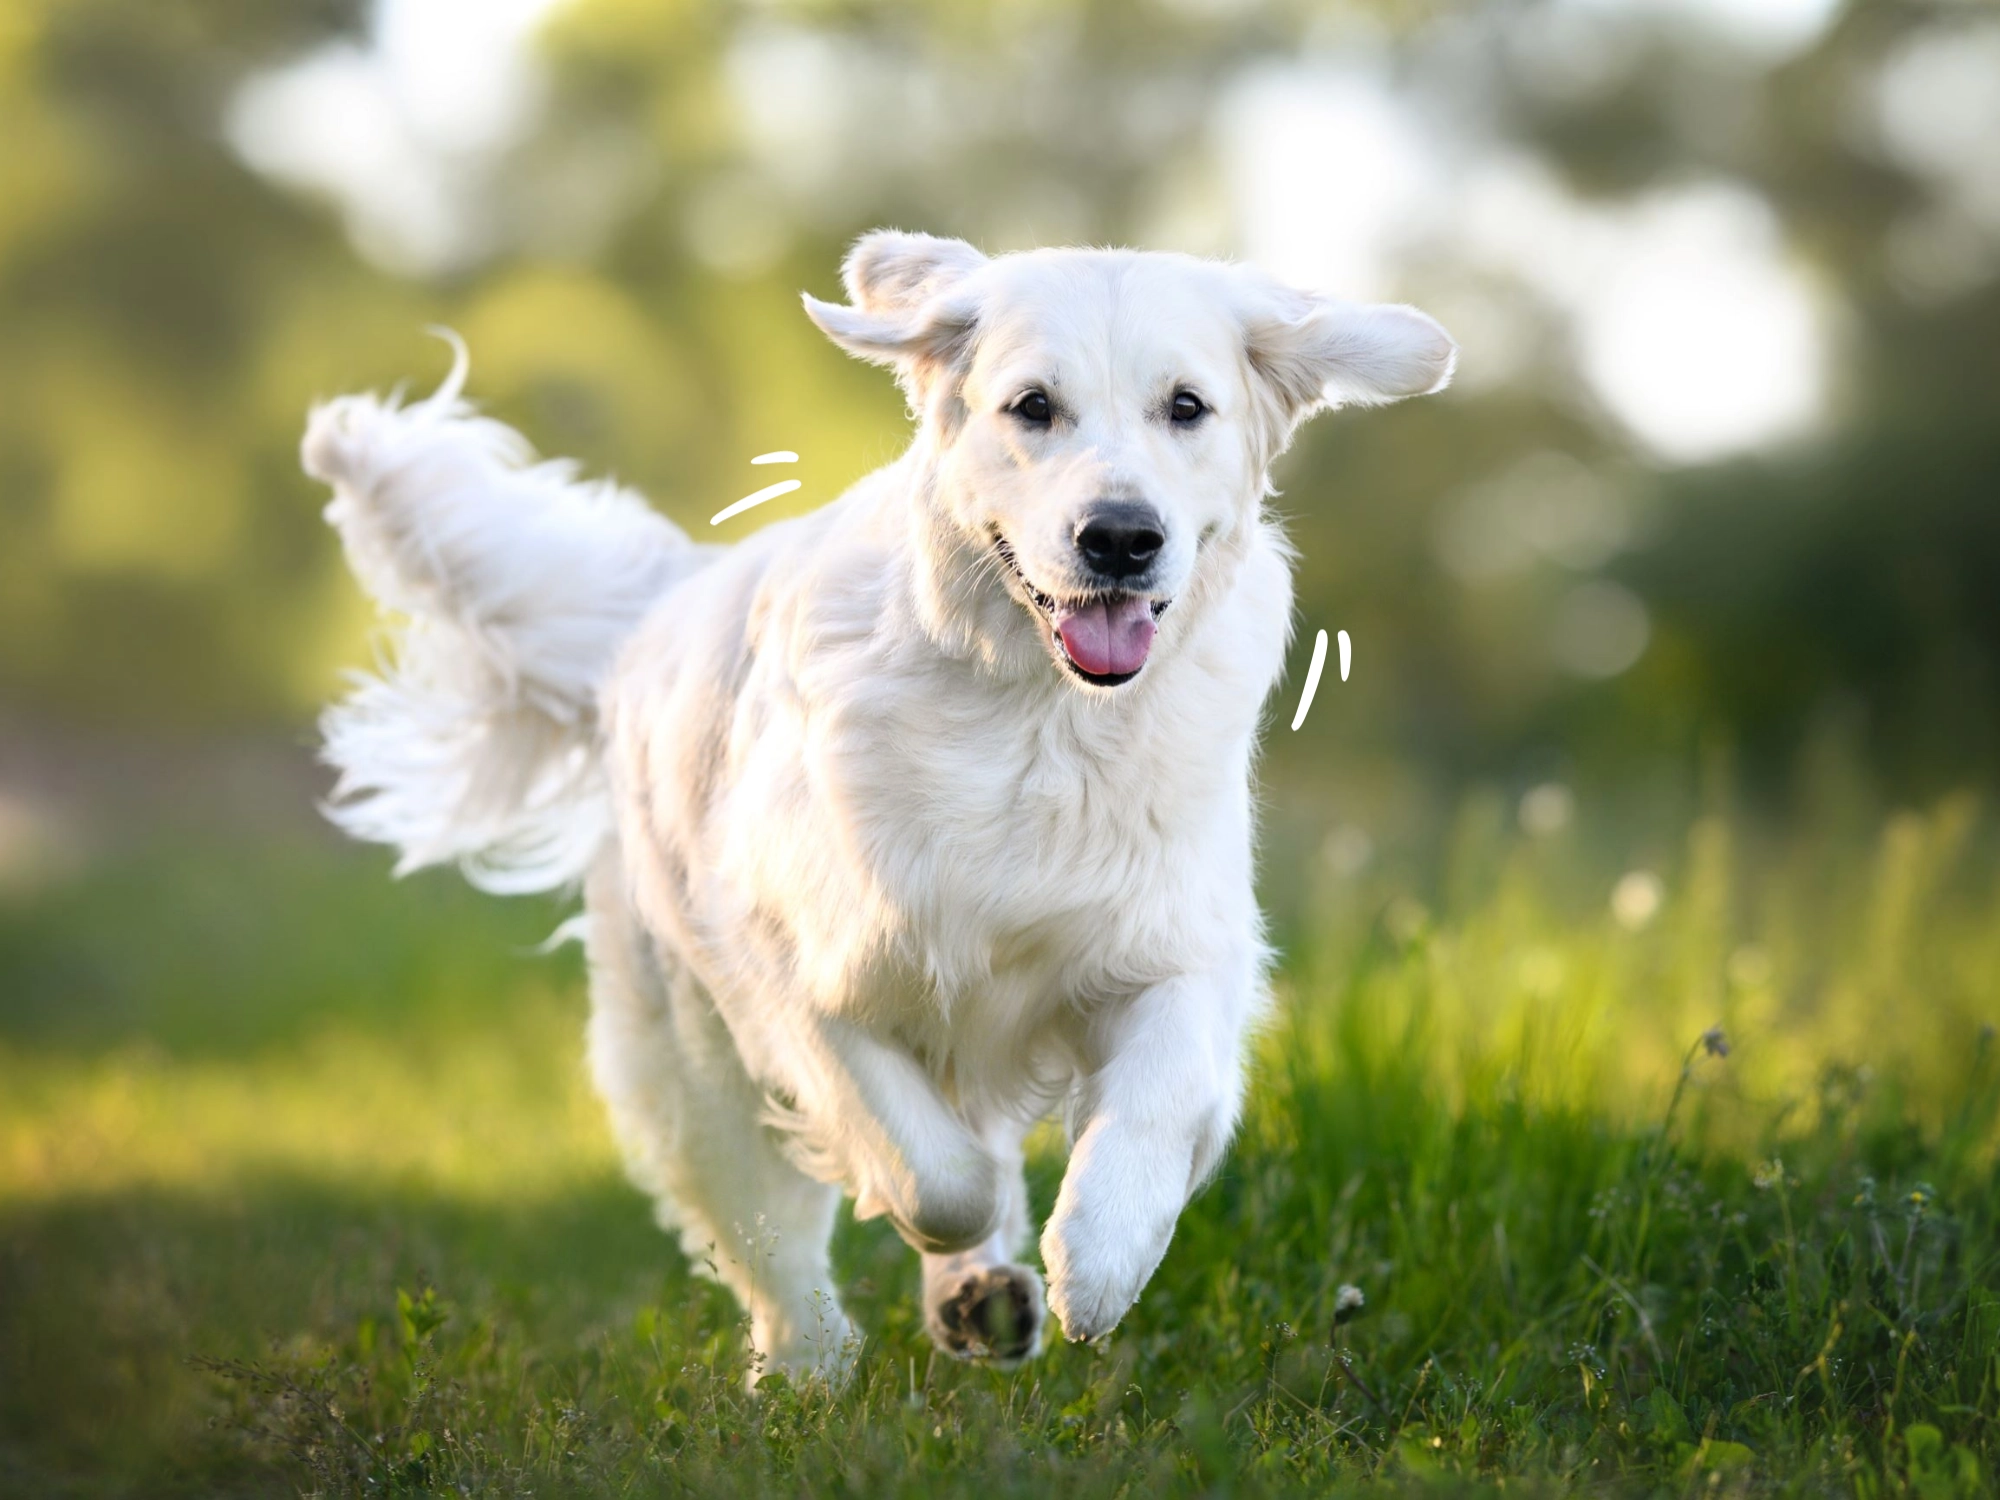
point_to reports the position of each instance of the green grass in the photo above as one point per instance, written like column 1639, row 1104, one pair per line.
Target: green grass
column 302, row 1190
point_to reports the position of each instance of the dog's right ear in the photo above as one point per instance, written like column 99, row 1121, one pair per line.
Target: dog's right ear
column 888, row 270
column 907, row 306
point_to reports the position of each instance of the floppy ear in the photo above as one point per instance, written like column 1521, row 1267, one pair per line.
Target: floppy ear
column 907, row 307
column 888, row 269
column 1318, row 352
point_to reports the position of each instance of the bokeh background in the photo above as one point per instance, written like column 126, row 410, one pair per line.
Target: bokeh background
column 1680, row 611
column 1718, row 470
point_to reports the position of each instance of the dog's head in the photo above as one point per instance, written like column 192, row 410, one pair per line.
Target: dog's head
column 1103, row 421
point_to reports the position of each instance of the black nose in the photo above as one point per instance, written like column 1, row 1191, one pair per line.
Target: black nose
column 1120, row 538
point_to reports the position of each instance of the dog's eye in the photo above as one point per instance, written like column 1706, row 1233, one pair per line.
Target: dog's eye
column 1187, row 408
column 1034, row 409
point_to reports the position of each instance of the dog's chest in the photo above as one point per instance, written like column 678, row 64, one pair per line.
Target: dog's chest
column 1035, row 855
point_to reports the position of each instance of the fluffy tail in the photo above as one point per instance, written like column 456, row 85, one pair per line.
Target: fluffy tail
column 475, row 741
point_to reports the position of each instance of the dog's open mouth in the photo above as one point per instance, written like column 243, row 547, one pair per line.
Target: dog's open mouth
column 1102, row 637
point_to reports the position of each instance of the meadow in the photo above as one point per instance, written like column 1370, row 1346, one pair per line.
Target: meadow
column 302, row 1191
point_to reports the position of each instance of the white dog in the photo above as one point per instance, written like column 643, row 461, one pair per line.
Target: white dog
column 906, row 822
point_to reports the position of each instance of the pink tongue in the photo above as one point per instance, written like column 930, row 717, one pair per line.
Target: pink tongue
column 1108, row 640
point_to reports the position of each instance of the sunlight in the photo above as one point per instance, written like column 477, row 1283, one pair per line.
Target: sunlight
column 1686, row 321
column 1689, row 324
column 1329, row 176
column 399, row 131
column 1772, row 28
column 1702, row 341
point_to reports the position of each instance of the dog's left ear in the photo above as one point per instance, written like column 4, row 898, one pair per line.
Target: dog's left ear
column 1317, row 352
column 907, row 303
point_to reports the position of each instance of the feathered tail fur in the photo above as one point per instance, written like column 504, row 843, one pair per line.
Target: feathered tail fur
column 514, row 585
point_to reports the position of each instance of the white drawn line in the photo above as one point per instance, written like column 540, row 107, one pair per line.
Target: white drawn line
column 1346, row 655
column 782, row 456
column 1312, row 678
column 769, row 492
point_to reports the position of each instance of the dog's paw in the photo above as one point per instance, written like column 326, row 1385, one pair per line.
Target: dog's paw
column 819, row 1345
column 1092, row 1285
column 988, row 1312
column 1087, row 1311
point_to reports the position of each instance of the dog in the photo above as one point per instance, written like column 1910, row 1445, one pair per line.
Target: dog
column 909, row 822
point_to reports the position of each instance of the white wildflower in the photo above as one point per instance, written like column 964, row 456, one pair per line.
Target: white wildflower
column 1347, row 1303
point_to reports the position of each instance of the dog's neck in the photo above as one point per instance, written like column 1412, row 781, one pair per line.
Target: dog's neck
column 955, row 586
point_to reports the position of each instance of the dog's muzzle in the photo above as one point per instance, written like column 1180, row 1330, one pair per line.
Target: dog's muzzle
column 1102, row 637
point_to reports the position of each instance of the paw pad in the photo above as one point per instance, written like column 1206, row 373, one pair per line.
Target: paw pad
column 992, row 1313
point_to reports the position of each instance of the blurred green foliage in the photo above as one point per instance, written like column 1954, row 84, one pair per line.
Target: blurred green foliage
column 167, row 314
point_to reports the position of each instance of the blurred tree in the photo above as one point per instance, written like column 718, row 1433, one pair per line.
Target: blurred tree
column 1850, row 582
column 143, row 275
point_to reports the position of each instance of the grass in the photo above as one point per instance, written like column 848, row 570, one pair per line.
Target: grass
column 302, row 1190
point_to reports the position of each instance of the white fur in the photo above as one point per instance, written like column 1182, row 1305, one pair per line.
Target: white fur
column 874, row 882
column 518, row 585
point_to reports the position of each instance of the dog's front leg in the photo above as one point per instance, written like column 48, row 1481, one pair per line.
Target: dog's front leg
column 906, row 1151
column 1151, row 1124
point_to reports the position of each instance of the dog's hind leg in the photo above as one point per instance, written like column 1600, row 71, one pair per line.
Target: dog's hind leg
column 691, row 1124
column 983, row 1303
